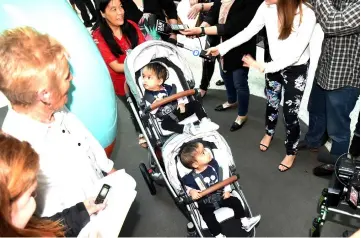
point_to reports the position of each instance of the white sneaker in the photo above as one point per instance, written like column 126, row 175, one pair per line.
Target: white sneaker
column 249, row 222
column 207, row 125
column 220, row 235
column 190, row 129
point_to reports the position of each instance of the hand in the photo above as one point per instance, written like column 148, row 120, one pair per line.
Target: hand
column 112, row 171
column 193, row 12
column 192, row 2
column 226, row 195
column 213, row 51
column 181, row 107
column 195, row 194
column 93, row 208
column 173, row 36
column 191, row 31
column 249, row 61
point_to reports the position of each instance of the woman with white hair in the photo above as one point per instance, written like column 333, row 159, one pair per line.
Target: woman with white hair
column 35, row 77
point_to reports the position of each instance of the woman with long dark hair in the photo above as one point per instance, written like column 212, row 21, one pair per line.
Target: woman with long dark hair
column 289, row 25
column 225, row 19
column 114, row 36
column 19, row 165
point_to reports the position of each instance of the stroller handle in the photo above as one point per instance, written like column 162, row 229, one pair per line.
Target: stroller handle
column 211, row 189
column 219, row 185
column 169, row 99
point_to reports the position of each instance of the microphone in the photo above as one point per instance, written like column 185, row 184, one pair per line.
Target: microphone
column 195, row 52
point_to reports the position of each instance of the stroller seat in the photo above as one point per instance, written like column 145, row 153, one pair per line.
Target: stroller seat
column 175, row 77
column 224, row 159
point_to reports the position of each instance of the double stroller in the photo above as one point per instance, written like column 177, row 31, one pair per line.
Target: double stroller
column 165, row 168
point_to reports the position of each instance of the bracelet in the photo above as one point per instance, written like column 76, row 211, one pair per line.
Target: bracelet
column 202, row 31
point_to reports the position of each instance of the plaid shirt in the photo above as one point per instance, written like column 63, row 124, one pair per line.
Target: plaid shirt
column 339, row 63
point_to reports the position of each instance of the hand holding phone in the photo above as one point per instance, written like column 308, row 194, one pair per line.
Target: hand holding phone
column 102, row 194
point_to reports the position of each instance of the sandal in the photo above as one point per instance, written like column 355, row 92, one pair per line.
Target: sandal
column 142, row 142
column 265, row 146
column 285, row 166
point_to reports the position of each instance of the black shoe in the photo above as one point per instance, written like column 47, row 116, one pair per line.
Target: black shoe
column 355, row 146
column 235, row 126
column 303, row 145
column 220, row 82
column 324, row 170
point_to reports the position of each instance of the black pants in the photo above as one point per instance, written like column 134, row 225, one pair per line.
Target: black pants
column 191, row 107
column 123, row 99
column 293, row 80
column 208, row 66
column 82, row 5
column 207, row 212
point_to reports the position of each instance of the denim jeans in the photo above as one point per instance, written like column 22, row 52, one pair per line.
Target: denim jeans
column 329, row 110
column 236, row 83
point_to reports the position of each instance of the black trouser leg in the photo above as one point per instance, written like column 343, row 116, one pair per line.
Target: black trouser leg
column 90, row 7
column 236, row 205
column 83, row 10
column 207, row 212
column 208, row 66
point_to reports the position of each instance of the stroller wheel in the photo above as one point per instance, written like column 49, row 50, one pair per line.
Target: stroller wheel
column 147, row 178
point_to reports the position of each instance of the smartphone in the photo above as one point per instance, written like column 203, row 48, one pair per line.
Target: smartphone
column 178, row 27
column 102, row 194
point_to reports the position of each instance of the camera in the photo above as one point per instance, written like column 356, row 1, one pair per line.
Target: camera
column 348, row 174
column 344, row 193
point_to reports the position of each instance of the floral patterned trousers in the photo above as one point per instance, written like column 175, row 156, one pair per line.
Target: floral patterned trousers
column 293, row 80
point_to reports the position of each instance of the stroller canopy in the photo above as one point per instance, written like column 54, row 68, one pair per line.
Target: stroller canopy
column 150, row 51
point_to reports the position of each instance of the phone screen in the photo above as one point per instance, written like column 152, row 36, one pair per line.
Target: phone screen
column 104, row 192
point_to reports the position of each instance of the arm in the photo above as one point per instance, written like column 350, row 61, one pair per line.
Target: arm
column 255, row 26
column 107, row 55
column 212, row 15
column 73, row 219
column 338, row 23
column 300, row 43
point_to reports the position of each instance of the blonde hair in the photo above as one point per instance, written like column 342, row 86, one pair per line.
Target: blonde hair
column 29, row 59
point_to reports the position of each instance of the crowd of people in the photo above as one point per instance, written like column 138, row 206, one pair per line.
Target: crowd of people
column 47, row 153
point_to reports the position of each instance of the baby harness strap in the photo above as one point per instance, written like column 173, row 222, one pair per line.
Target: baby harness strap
column 213, row 198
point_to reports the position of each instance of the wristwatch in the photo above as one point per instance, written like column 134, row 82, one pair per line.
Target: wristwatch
column 202, row 31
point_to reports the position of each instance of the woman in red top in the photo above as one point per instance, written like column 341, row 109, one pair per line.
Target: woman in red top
column 114, row 36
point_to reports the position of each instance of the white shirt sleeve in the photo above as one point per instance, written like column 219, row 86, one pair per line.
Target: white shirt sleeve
column 103, row 162
column 300, row 43
column 252, row 29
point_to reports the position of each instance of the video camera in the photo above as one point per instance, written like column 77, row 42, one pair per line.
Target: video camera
column 344, row 192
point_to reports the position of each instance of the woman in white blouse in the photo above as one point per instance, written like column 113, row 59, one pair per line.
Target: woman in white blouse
column 289, row 25
column 35, row 77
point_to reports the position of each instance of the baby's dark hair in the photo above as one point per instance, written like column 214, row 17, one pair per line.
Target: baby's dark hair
column 159, row 69
column 188, row 154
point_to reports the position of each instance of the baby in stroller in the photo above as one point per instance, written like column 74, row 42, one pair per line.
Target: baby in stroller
column 205, row 172
column 154, row 76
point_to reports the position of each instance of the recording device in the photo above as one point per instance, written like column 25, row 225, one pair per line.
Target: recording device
column 344, row 192
column 167, row 29
column 348, row 173
column 102, row 194
column 195, row 52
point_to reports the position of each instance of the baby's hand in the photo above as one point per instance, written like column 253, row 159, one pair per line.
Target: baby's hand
column 226, row 195
column 182, row 107
column 194, row 194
